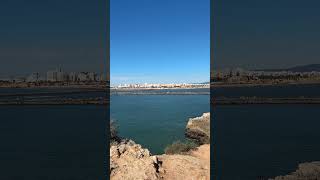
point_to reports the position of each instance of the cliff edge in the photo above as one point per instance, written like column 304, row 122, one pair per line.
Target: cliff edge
column 130, row 161
column 305, row 171
column 199, row 129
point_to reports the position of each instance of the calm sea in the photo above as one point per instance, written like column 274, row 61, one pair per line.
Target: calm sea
column 156, row 121
column 52, row 142
column 251, row 141
column 262, row 141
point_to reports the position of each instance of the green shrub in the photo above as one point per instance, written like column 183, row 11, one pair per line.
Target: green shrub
column 179, row 147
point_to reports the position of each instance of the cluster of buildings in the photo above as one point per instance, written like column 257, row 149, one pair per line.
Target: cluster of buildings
column 172, row 85
column 60, row 76
column 239, row 74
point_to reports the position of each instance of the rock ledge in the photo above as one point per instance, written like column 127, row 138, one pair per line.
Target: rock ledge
column 305, row 171
column 129, row 161
column 199, row 129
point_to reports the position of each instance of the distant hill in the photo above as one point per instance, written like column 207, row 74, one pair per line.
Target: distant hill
column 205, row 83
column 304, row 68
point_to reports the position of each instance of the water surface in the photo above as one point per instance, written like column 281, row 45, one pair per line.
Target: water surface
column 52, row 142
column 156, row 120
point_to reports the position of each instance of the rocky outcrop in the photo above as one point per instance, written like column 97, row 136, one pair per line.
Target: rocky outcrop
column 305, row 171
column 129, row 161
column 195, row 165
column 199, row 129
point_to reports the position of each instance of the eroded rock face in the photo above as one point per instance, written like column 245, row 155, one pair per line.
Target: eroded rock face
column 199, row 129
column 194, row 166
column 129, row 160
column 305, row 171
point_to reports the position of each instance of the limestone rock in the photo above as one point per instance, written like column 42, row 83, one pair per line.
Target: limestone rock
column 129, row 160
column 195, row 165
column 305, row 171
column 136, row 163
column 199, row 129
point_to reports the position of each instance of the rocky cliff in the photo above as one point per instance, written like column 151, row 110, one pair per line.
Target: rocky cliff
column 305, row 171
column 199, row 129
column 130, row 161
column 194, row 165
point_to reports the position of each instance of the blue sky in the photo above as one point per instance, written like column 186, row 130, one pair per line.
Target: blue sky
column 37, row 36
column 159, row 41
column 266, row 34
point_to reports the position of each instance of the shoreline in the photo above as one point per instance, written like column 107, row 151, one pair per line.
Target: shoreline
column 231, row 85
column 132, row 89
column 129, row 160
column 212, row 85
column 55, row 87
column 217, row 101
column 264, row 100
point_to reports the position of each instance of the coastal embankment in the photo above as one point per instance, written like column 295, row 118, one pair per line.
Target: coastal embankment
column 99, row 96
column 51, row 100
column 214, row 84
column 263, row 100
column 55, row 97
column 58, row 101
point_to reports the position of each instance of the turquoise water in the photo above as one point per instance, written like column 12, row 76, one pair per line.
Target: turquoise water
column 156, row 120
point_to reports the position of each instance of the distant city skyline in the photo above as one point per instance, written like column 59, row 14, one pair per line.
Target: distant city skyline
column 156, row 41
column 43, row 72
column 58, row 74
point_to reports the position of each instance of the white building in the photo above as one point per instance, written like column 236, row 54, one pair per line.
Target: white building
column 56, row 75
column 34, row 77
column 52, row 76
column 73, row 77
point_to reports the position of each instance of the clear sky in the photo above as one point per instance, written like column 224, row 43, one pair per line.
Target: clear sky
column 159, row 41
column 39, row 35
column 266, row 34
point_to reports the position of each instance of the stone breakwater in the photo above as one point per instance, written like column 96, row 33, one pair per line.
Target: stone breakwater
column 264, row 100
column 199, row 129
column 58, row 101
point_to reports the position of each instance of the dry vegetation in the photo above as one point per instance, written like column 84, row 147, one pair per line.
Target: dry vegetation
column 179, row 147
